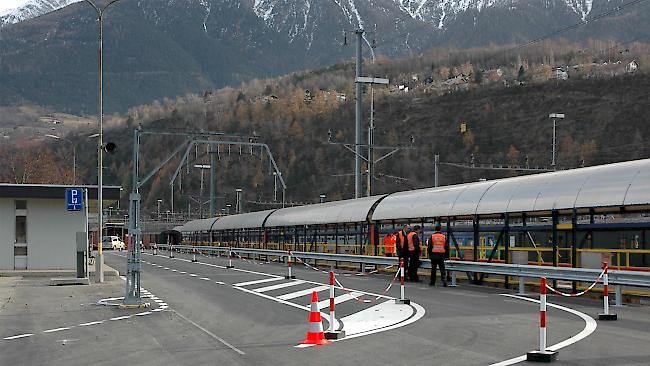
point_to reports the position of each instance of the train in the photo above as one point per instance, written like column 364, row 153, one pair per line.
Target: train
column 555, row 217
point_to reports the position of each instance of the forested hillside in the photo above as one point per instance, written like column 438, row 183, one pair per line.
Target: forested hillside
column 506, row 116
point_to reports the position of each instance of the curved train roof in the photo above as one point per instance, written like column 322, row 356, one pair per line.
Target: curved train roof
column 346, row 211
column 198, row 225
column 604, row 186
column 612, row 185
column 242, row 221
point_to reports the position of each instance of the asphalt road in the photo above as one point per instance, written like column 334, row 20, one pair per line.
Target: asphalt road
column 253, row 316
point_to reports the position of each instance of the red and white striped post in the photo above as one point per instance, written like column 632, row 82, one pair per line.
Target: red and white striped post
column 402, row 299
column 289, row 274
column 230, row 258
column 332, row 333
column 171, row 251
column 542, row 355
column 606, row 315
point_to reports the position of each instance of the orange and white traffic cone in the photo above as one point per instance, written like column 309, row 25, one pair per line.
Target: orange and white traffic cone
column 315, row 334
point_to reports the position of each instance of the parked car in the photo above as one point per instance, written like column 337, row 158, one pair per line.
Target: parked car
column 112, row 242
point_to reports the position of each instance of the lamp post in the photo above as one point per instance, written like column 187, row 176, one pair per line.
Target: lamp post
column 159, row 201
column 74, row 155
column 99, row 271
column 554, row 117
column 238, row 201
column 202, row 167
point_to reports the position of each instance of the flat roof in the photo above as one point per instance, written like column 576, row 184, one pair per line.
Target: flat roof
column 55, row 191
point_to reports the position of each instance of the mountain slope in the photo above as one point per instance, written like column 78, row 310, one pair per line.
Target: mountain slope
column 166, row 48
column 32, row 9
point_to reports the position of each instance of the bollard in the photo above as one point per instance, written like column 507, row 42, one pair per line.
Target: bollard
column 454, row 281
column 171, row 251
column 155, row 249
column 606, row 314
column 194, row 255
column 332, row 333
column 522, row 286
column 230, row 258
column 402, row 299
column 618, row 302
column 543, row 355
column 289, row 275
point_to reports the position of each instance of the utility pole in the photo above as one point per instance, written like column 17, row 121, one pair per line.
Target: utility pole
column 359, row 116
column 436, row 162
column 213, row 184
column 371, row 138
column 275, row 187
column 238, row 208
column 554, row 117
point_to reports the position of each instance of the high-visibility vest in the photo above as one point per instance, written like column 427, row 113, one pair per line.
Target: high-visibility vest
column 389, row 244
column 402, row 239
column 438, row 242
column 410, row 241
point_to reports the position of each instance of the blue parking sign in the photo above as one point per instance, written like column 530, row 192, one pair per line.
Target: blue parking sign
column 74, row 198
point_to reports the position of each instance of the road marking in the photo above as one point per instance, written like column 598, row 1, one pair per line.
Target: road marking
column 192, row 274
column 272, row 298
column 590, row 327
column 182, row 272
column 219, row 283
column 143, row 313
column 121, row 317
column 258, row 281
column 279, row 286
column 174, row 270
column 56, row 330
column 221, row 340
column 18, row 336
column 91, row 323
column 205, row 279
column 301, row 293
column 338, row 299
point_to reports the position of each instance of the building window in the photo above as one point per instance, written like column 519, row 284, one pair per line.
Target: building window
column 21, row 229
column 21, row 205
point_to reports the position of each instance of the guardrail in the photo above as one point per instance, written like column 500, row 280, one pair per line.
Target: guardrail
column 616, row 278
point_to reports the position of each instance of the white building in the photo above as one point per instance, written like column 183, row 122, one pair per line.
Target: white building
column 37, row 232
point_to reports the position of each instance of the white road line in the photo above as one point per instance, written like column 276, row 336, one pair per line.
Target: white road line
column 91, row 323
column 590, row 327
column 221, row 340
column 18, row 336
column 219, row 283
column 338, row 299
column 192, row 274
column 301, row 293
column 143, row 313
column 182, row 272
column 205, row 279
column 279, row 286
column 258, row 281
column 121, row 317
column 174, row 270
column 56, row 330
column 273, row 298
column 166, row 268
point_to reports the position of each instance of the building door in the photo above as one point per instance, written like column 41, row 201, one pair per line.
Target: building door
column 20, row 232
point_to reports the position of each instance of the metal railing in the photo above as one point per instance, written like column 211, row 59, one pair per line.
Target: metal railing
column 616, row 278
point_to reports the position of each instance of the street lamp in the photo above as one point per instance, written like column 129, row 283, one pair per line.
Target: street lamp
column 554, row 117
column 202, row 167
column 74, row 155
column 99, row 271
column 159, row 202
column 238, row 201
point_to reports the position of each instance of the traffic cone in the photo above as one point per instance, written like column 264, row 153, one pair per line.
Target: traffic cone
column 315, row 334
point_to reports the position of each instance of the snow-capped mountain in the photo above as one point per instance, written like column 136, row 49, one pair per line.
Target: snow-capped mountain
column 165, row 48
column 32, row 9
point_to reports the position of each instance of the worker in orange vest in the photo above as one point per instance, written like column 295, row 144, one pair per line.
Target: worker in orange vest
column 437, row 247
column 389, row 244
column 413, row 253
column 402, row 252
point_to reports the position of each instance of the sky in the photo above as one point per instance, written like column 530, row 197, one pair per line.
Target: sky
column 10, row 4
